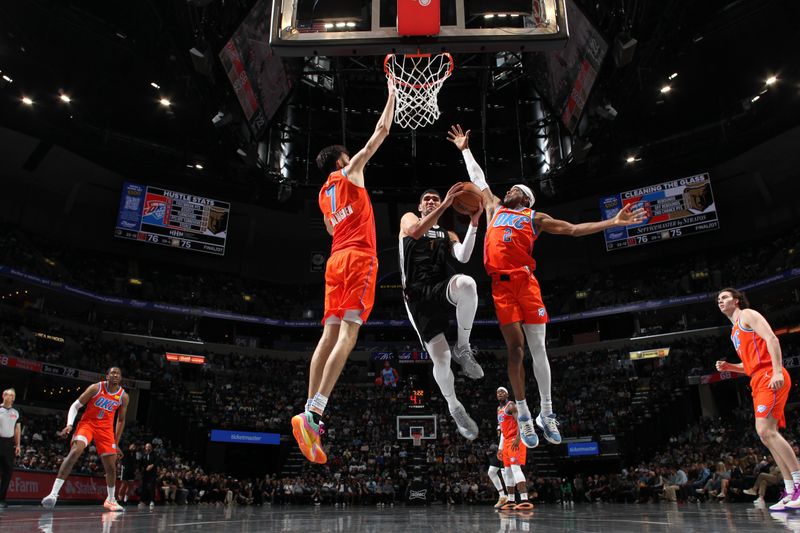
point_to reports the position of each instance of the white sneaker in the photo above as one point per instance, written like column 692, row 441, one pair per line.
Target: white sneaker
column 49, row 501
column 113, row 505
column 781, row 504
column 465, row 357
column 466, row 425
column 501, row 501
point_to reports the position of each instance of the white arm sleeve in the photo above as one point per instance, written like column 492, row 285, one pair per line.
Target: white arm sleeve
column 502, row 441
column 73, row 412
column 474, row 170
column 463, row 250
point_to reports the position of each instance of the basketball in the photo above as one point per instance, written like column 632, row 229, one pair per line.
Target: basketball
column 469, row 201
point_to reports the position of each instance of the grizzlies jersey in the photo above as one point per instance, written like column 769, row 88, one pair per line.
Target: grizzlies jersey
column 423, row 261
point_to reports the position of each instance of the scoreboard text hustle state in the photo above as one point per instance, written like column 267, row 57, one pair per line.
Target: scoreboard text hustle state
column 169, row 218
column 673, row 209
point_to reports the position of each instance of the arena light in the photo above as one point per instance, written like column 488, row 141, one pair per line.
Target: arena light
column 665, row 89
column 165, row 102
column 27, row 101
column 341, row 24
column 755, row 98
column 135, row 281
column 630, row 159
column 64, row 98
column 328, row 25
column 198, row 166
column 673, row 75
column 9, row 80
column 154, row 85
column 351, row 24
column 771, row 80
column 489, row 16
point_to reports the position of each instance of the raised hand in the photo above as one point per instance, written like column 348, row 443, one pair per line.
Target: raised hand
column 457, row 136
column 454, row 192
column 476, row 216
column 627, row 216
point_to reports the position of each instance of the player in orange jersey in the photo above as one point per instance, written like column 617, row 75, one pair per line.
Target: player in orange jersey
column 350, row 275
column 511, row 454
column 102, row 400
column 512, row 228
column 760, row 352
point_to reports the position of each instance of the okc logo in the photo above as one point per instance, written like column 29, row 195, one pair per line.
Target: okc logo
column 736, row 340
column 511, row 220
column 424, row 3
column 154, row 208
column 541, row 311
column 761, row 408
column 106, row 404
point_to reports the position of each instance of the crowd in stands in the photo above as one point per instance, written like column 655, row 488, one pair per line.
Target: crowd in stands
column 110, row 274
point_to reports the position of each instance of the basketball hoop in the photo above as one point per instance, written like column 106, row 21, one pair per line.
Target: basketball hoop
column 417, row 79
column 416, row 438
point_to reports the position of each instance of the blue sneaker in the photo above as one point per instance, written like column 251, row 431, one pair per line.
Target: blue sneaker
column 549, row 426
column 527, row 433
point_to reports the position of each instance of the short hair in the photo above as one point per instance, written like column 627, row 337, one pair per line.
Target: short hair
column 10, row 389
column 429, row 191
column 112, row 367
column 327, row 157
column 744, row 303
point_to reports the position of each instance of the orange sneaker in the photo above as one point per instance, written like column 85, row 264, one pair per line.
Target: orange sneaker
column 112, row 505
column 524, row 506
column 306, row 433
column 508, row 506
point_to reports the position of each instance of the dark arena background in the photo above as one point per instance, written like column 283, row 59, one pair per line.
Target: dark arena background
column 159, row 213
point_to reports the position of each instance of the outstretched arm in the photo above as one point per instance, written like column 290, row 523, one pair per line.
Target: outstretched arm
column 355, row 169
column 625, row 217
column 457, row 136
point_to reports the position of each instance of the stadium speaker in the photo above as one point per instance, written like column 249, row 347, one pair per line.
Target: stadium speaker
column 624, row 49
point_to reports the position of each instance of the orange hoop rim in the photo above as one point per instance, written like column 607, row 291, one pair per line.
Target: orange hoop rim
column 391, row 76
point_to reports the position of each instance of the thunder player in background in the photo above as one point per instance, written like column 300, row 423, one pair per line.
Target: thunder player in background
column 349, row 276
column 496, row 463
column 512, row 228
column 760, row 352
column 512, row 454
column 431, row 292
column 102, row 400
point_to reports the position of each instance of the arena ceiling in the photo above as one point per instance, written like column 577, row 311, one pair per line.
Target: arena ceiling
column 117, row 60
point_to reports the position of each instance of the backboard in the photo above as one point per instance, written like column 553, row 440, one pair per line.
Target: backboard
column 408, row 423
column 369, row 27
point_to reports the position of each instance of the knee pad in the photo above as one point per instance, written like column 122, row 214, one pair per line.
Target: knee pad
column 516, row 473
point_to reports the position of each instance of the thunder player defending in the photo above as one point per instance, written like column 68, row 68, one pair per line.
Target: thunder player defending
column 102, row 401
column 349, row 276
column 760, row 351
column 512, row 454
column 430, row 291
column 512, row 228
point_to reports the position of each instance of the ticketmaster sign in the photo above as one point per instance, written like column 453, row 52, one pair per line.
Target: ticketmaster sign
column 245, row 437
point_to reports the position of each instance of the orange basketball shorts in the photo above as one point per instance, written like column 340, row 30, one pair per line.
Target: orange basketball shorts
column 518, row 298
column 350, row 277
column 514, row 457
column 103, row 438
column 767, row 402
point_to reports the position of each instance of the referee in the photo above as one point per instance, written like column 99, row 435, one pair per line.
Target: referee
column 9, row 441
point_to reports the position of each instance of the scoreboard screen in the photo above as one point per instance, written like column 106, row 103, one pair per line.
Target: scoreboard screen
column 416, row 399
column 673, row 209
column 169, row 218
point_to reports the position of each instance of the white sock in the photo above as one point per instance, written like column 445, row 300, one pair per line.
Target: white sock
column 463, row 291
column 522, row 409
column 56, row 487
column 319, row 403
column 439, row 352
column 495, row 479
column 796, row 477
column 511, row 497
column 536, row 335
column 308, row 404
column 111, row 492
column 788, row 484
column 523, row 496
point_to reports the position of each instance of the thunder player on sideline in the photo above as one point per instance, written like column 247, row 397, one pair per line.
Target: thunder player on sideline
column 512, row 229
column 512, row 454
column 760, row 351
column 496, row 465
column 349, row 275
column 430, row 292
column 102, row 400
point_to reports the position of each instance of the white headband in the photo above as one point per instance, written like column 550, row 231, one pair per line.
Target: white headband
column 527, row 192
column 502, row 389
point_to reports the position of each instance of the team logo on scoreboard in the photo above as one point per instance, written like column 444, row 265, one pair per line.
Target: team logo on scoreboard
column 155, row 210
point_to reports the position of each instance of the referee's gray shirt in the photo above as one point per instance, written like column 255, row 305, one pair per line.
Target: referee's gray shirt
column 8, row 419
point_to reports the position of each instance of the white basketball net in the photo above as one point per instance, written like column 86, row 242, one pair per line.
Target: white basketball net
column 417, row 79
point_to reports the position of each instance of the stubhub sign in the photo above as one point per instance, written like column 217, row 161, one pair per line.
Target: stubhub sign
column 577, row 449
column 245, row 437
